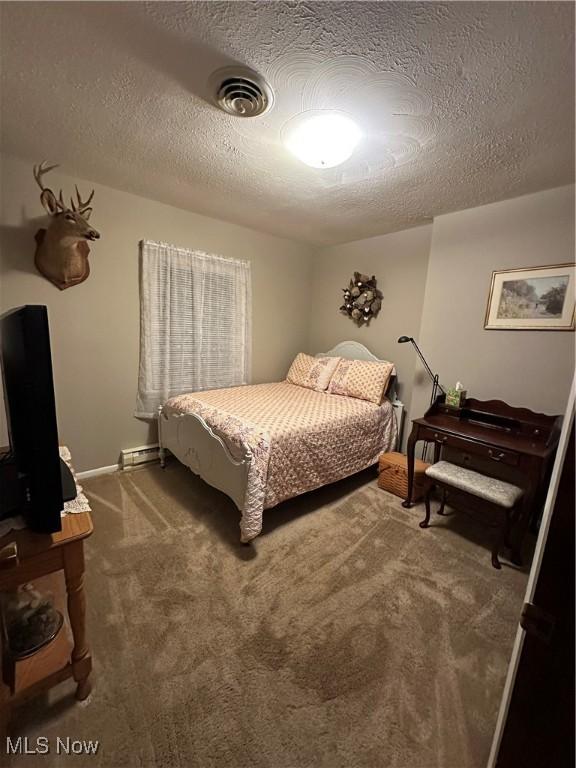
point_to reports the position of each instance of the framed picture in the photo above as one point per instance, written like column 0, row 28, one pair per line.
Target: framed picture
column 535, row 298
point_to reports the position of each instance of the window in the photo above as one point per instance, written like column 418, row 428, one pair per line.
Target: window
column 195, row 324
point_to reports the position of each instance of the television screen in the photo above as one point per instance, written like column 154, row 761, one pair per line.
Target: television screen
column 31, row 414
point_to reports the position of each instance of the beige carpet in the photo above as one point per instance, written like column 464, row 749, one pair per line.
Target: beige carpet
column 344, row 636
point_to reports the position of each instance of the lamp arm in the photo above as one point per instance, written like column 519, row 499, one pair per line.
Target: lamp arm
column 429, row 371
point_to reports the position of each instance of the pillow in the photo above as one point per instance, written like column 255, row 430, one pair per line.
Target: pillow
column 312, row 372
column 362, row 379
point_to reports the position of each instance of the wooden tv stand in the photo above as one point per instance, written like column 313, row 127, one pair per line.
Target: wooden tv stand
column 35, row 556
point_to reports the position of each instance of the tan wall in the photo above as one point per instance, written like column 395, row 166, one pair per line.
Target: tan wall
column 399, row 261
column 95, row 326
column 435, row 281
column 525, row 368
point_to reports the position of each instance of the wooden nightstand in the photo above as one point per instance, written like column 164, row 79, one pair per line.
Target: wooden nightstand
column 38, row 555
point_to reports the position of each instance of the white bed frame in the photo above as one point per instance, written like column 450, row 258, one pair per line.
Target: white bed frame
column 189, row 438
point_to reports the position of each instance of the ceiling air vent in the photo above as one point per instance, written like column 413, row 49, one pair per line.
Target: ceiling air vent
column 241, row 91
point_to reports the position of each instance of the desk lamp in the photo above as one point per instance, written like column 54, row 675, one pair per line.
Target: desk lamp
column 434, row 376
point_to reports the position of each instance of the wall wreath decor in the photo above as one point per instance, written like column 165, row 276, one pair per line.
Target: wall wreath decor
column 362, row 299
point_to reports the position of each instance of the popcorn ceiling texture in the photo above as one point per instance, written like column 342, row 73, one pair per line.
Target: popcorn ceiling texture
column 461, row 104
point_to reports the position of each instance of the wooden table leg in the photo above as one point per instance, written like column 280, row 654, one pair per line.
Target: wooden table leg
column 410, row 450
column 437, row 452
column 74, row 575
column 522, row 523
column 426, row 522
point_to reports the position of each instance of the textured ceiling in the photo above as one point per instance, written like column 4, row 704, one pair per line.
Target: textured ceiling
column 460, row 104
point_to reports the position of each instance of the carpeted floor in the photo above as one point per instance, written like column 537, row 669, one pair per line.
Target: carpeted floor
column 344, row 636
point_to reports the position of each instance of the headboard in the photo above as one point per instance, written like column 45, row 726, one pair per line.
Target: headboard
column 351, row 350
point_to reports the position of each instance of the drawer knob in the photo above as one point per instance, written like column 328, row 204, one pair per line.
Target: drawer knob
column 495, row 456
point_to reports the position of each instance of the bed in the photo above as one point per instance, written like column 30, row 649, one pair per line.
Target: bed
column 261, row 444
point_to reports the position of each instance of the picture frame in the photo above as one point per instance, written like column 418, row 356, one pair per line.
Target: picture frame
column 532, row 299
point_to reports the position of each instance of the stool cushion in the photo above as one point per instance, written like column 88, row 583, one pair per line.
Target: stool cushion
column 497, row 491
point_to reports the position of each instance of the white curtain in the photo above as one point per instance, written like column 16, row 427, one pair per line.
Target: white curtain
column 195, row 323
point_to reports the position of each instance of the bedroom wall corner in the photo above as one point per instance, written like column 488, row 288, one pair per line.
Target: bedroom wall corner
column 400, row 263
column 524, row 368
column 95, row 325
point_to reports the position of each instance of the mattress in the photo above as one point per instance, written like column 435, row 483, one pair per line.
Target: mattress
column 299, row 439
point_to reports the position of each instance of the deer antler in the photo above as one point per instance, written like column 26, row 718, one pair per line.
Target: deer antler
column 80, row 207
column 39, row 171
column 83, row 205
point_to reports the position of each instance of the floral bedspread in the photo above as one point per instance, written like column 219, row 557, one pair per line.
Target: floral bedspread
column 298, row 439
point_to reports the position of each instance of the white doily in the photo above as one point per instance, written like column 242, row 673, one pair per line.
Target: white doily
column 79, row 504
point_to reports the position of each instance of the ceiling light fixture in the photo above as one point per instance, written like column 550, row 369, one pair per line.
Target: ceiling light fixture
column 321, row 139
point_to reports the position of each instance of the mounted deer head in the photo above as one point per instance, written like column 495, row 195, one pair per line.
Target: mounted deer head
column 62, row 250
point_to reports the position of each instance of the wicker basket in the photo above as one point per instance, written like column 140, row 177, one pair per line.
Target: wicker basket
column 393, row 476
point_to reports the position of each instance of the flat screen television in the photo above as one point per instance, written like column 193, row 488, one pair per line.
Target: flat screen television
column 43, row 480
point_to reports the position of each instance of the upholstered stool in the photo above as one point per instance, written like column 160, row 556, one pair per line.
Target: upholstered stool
column 479, row 493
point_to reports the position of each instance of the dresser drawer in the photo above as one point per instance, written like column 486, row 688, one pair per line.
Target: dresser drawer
column 504, row 457
column 470, row 446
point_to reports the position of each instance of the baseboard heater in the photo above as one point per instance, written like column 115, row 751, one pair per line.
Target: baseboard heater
column 143, row 454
